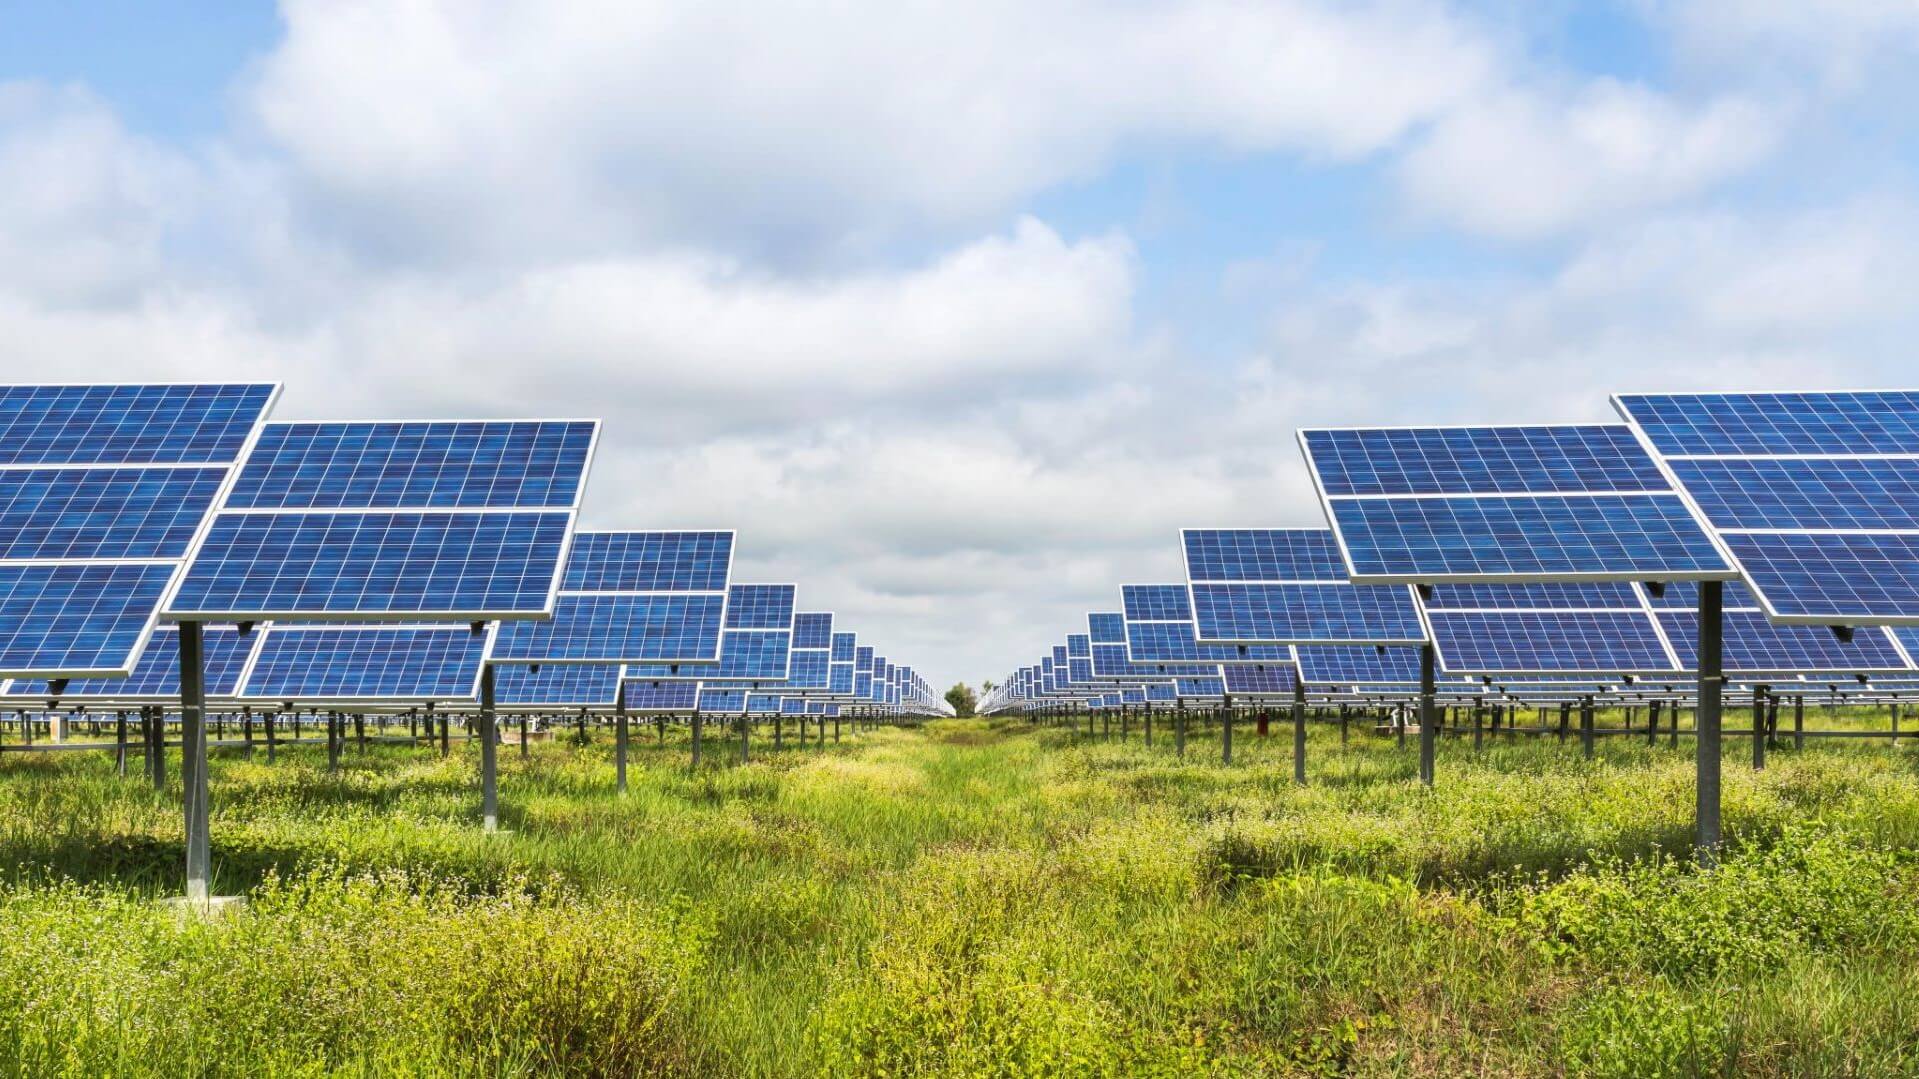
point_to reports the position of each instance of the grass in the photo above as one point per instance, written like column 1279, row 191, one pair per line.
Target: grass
column 972, row 898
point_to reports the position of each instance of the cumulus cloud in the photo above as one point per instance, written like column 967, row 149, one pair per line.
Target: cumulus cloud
column 1523, row 164
column 439, row 128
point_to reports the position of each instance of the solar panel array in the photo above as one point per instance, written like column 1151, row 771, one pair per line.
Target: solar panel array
column 629, row 597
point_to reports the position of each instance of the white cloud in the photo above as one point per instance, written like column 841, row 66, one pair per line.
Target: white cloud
column 1523, row 164
column 1842, row 43
column 429, row 128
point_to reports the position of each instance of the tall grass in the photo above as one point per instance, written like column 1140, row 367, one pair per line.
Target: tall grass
column 971, row 898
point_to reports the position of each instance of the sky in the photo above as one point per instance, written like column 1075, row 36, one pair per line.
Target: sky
column 959, row 312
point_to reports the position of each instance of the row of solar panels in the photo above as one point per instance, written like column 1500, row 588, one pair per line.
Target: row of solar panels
column 373, row 563
column 1548, row 559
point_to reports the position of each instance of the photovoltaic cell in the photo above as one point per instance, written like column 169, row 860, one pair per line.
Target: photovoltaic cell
column 725, row 701
column 1156, row 603
column 421, row 465
column 345, row 564
column 807, row 669
column 1106, row 628
column 843, row 645
column 840, row 679
column 366, row 663
column 1775, row 424
column 1754, row 645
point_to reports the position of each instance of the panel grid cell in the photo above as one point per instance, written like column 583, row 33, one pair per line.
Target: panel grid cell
column 1482, row 460
column 812, row 630
column 77, row 619
column 1156, row 603
column 104, row 513
column 562, row 685
column 658, row 627
column 1330, row 613
column 1262, row 554
column 1541, row 537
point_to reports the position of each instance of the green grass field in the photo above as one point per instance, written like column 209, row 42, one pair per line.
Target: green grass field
column 972, row 898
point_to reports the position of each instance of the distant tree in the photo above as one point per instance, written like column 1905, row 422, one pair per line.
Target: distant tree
column 962, row 699
column 987, row 686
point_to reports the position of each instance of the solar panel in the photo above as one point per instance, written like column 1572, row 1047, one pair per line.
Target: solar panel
column 1510, row 504
column 1815, row 494
column 103, row 492
column 366, row 664
column 565, row 685
column 807, row 669
column 843, row 646
column 1346, row 665
column 1106, row 628
column 1598, row 629
column 81, row 619
column 675, row 628
column 1244, row 681
column 129, row 424
column 1160, row 629
column 813, row 630
column 649, row 562
column 416, row 465
column 760, row 606
column 431, row 519
column 156, row 677
column 664, row 696
column 763, row 704
column 722, row 700
column 1288, row 586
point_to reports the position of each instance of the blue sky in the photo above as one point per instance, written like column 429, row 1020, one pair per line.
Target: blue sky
column 959, row 313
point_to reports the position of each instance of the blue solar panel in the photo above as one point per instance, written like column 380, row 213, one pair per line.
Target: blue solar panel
column 1156, row 603
column 759, row 606
column 649, row 562
column 862, row 685
column 346, row 663
column 1078, row 646
column 574, row 685
column 1565, row 642
column 76, row 425
column 1429, row 539
column 722, row 700
column 752, row 655
column 1079, row 671
column 1833, row 577
column 843, row 645
column 1348, row 664
column 839, row 680
column 793, row 706
column 1106, row 628
column 1796, row 493
column 807, row 669
column 1743, row 458
column 77, row 619
column 1684, row 596
column 1133, row 696
column 157, row 674
column 1199, row 687
column 1162, row 691
column 1777, row 423
column 1754, row 645
column 419, row 465
column 656, row 627
column 1262, row 554
column 1326, row 613
column 1110, row 661
column 763, row 704
column 341, row 564
column 93, row 513
column 863, row 659
column 811, row 630
column 1481, row 460
column 1175, row 642
column 662, row 696
column 1259, row 681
